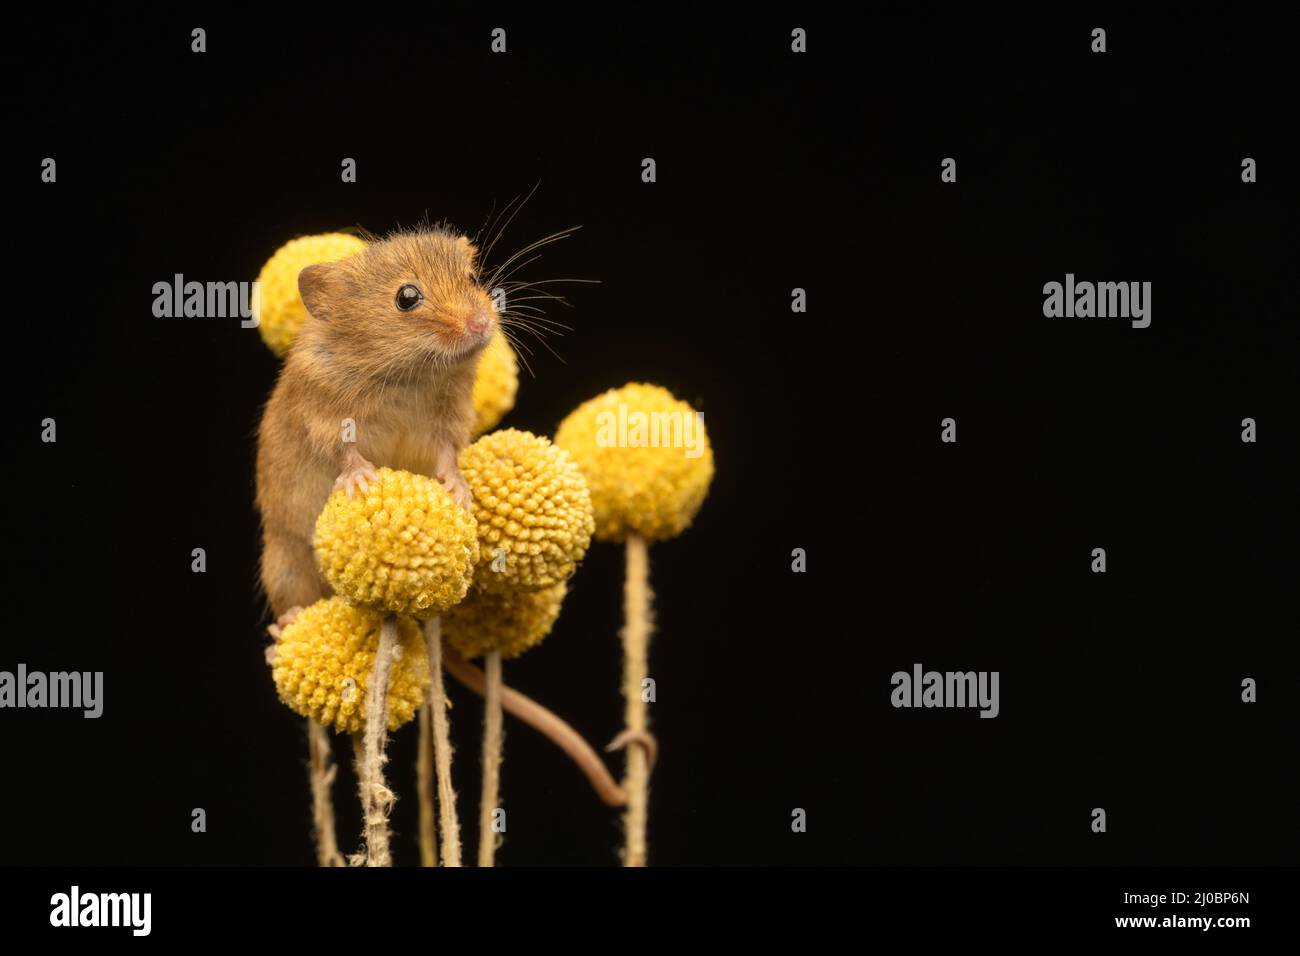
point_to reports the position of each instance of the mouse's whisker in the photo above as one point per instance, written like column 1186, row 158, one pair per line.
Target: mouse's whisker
column 538, row 297
column 533, row 247
column 498, row 281
column 537, row 285
column 513, row 289
column 542, row 242
column 502, row 219
column 507, row 220
column 531, row 313
column 547, row 345
column 537, row 318
column 521, row 350
column 487, row 225
column 522, row 304
column 538, row 334
column 523, row 325
column 549, row 281
column 516, row 342
column 538, row 322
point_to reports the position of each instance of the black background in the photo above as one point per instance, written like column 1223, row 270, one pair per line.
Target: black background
column 774, row 171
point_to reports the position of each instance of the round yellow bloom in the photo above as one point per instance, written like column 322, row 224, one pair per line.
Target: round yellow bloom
column 496, row 383
column 505, row 621
column 277, row 307
column 532, row 509
column 403, row 547
column 324, row 661
column 646, row 458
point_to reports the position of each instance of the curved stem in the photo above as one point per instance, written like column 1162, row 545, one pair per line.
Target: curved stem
column 636, row 666
column 442, row 746
column 487, row 838
column 545, row 722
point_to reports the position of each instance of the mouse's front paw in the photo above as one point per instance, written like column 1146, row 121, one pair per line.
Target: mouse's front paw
column 357, row 475
column 459, row 490
column 283, row 621
column 276, row 631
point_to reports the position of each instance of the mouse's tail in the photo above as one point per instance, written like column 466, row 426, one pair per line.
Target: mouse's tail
column 558, row 731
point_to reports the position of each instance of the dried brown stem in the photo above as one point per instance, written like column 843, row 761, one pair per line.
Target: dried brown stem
column 322, row 773
column 424, row 784
column 376, row 799
column 442, row 746
column 636, row 666
column 487, row 838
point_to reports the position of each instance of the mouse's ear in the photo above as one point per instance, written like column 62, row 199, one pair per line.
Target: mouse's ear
column 314, row 285
column 470, row 250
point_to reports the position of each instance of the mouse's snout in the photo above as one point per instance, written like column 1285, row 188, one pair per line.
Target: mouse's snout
column 478, row 322
column 477, row 326
column 481, row 316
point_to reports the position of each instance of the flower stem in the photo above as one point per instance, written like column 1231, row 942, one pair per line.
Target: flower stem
column 636, row 666
column 442, row 746
column 487, row 840
column 424, row 782
column 376, row 798
column 322, row 773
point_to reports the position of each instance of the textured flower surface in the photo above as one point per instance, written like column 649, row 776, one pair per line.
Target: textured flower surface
column 403, row 547
column 532, row 508
column 324, row 661
column 496, row 383
column 505, row 621
column 646, row 458
column 279, row 310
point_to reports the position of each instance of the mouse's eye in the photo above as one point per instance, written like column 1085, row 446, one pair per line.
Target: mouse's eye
column 408, row 297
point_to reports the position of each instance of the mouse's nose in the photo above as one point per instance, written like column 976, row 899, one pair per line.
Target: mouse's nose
column 477, row 322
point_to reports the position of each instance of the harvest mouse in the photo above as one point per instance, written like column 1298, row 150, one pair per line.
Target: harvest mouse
column 380, row 375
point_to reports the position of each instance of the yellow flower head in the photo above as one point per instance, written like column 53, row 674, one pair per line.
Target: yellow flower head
column 325, row 658
column 532, row 508
column 496, row 383
column 505, row 621
column 403, row 547
column 278, row 308
column 646, row 458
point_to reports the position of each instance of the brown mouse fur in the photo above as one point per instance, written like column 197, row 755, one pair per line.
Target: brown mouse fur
column 404, row 377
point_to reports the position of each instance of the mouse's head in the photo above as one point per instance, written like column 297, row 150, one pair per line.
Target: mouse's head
column 409, row 299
